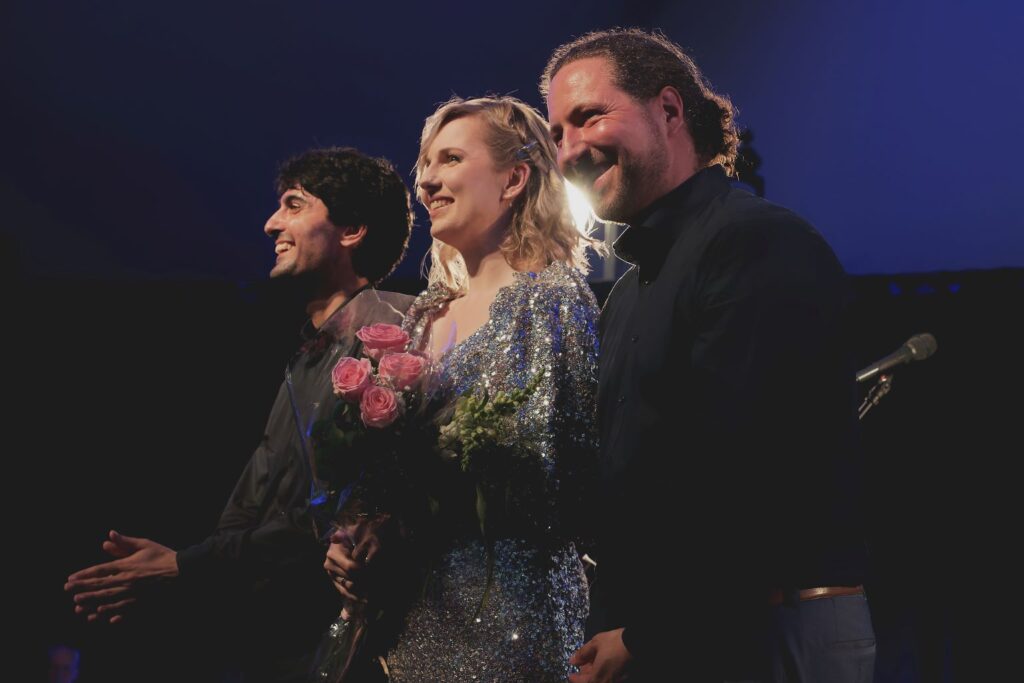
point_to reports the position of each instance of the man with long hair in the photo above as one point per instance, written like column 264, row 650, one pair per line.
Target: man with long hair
column 726, row 392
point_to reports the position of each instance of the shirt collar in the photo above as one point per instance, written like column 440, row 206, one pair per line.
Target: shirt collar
column 315, row 337
column 651, row 234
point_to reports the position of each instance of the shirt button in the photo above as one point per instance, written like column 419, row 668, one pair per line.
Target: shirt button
column 622, row 399
column 635, row 338
column 645, row 282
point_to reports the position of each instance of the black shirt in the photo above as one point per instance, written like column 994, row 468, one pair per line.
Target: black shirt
column 264, row 553
column 727, row 420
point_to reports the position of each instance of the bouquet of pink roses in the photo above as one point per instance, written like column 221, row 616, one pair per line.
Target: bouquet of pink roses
column 378, row 456
column 380, row 430
column 372, row 454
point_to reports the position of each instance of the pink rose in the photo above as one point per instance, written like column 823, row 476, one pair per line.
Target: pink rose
column 403, row 370
column 381, row 338
column 351, row 377
column 379, row 407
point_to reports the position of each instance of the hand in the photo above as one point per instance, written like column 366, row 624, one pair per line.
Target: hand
column 353, row 546
column 106, row 590
column 603, row 659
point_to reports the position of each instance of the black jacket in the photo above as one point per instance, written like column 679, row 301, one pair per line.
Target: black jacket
column 727, row 423
column 264, row 558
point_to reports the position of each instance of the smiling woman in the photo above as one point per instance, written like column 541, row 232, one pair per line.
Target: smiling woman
column 537, row 225
column 508, row 307
column 464, row 191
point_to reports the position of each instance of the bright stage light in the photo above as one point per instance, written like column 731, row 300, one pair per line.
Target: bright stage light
column 582, row 214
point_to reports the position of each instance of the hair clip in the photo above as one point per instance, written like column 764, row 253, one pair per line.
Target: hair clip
column 524, row 152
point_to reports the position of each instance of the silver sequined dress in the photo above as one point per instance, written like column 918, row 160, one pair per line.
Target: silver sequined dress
column 532, row 619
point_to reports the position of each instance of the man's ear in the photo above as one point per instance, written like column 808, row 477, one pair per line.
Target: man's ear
column 352, row 235
column 671, row 108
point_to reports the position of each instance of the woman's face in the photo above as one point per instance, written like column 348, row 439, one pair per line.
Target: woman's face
column 465, row 195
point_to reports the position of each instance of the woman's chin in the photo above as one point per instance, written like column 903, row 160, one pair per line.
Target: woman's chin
column 442, row 234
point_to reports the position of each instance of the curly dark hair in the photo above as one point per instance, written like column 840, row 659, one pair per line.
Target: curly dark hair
column 357, row 190
column 643, row 63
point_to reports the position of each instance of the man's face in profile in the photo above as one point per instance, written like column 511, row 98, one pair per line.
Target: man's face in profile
column 609, row 145
column 305, row 240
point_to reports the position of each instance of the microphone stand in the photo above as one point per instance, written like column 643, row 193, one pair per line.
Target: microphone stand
column 882, row 387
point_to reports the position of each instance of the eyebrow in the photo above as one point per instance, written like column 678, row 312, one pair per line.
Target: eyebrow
column 448, row 150
column 555, row 128
column 294, row 195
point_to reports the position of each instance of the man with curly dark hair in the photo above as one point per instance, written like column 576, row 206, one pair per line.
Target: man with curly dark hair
column 726, row 400
column 355, row 191
column 342, row 225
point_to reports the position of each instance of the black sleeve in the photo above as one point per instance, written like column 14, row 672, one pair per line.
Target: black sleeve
column 258, row 530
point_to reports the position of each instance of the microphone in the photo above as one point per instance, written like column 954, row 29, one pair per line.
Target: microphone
column 918, row 347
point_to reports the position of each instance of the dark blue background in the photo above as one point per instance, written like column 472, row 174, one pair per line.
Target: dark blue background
column 142, row 138
column 139, row 145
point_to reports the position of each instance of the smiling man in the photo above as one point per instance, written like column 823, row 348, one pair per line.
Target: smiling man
column 726, row 393
column 342, row 225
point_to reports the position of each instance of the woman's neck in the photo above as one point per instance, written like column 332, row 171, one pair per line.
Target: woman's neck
column 488, row 273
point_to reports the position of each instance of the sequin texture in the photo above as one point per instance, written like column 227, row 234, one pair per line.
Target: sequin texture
column 532, row 620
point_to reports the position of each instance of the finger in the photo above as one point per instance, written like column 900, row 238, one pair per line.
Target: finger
column 101, row 595
column 105, row 569
column 352, row 588
column 585, row 655
column 341, row 536
column 114, row 607
column 129, row 542
column 343, row 559
column 366, row 550
column 373, row 550
column 343, row 589
column 86, row 611
column 334, row 568
column 110, row 581
column 337, row 574
column 587, row 674
column 112, row 548
column 337, row 554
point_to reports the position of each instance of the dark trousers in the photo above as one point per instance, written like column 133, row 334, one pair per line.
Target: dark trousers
column 828, row 640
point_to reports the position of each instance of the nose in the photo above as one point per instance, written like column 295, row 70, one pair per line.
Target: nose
column 428, row 183
column 273, row 225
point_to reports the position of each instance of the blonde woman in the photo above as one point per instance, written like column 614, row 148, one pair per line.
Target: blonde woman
column 508, row 305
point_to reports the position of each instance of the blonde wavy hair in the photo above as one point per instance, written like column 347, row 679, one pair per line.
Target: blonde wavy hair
column 541, row 229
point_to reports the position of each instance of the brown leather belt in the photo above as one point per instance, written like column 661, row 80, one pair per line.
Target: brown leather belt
column 777, row 597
